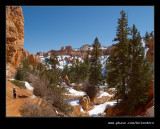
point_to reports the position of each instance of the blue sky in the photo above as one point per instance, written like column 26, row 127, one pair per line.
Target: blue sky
column 50, row 27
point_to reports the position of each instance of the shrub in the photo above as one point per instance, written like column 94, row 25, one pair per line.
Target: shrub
column 90, row 90
column 46, row 86
column 31, row 78
column 18, row 83
column 39, row 87
column 56, row 97
column 34, row 109
column 21, row 74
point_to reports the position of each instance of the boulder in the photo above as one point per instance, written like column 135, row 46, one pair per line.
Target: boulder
column 86, row 103
column 76, row 110
column 112, row 111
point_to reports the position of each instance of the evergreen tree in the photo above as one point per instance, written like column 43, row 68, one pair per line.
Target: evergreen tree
column 85, row 66
column 147, row 37
column 77, row 71
column 54, row 61
column 140, row 73
column 95, row 78
column 129, row 71
column 65, row 71
column 151, row 34
column 119, row 60
column 72, row 73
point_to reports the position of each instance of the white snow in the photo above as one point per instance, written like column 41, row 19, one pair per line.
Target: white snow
column 99, row 109
column 112, row 89
column 103, row 60
column 102, row 87
column 143, row 43
column 28, row 86
column 12, row 79
column 74, row 101
column 33, row 96
column 102, row 93
column 64, row 84
column 74, row 92
column 145, row 50
column 56, row 111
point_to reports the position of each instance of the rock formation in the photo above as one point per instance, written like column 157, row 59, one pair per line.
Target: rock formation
column 82, row 52
column 86, row 103
column 34, row 59
column 15, row 40
column 62, row 49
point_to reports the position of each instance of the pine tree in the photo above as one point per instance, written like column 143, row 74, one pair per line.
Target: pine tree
column 95, row 69
column 140, row 73
column 151, row 34
column 54, row 61
column 147, row 38
column 119, row 60
column 65, row 71
column 78, row 75
column 86, row 66
column 95, row 78
column 129, row 71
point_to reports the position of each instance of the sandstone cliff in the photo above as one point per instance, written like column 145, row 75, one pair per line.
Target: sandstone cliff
column 15, row 40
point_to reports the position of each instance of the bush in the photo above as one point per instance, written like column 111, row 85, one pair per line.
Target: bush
column 34, row 109
column 23, row 69
column 90, row 90
column 21, row 74
column 46, row 86
column 18, row 83
column 56, row 97
column 39, row 87
column 31, row 78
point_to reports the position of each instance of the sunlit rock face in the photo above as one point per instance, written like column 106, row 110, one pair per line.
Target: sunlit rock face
column 15, row 41
column 14, row 38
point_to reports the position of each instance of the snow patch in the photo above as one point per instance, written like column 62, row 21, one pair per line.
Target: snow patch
column 74, row 92
column 104, row 94
column 99, row 109
column 74, row 101
column 28, row 86
column 12, row 79
column 33, row 96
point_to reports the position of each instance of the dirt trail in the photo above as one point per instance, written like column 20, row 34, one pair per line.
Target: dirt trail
column 13, row 105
